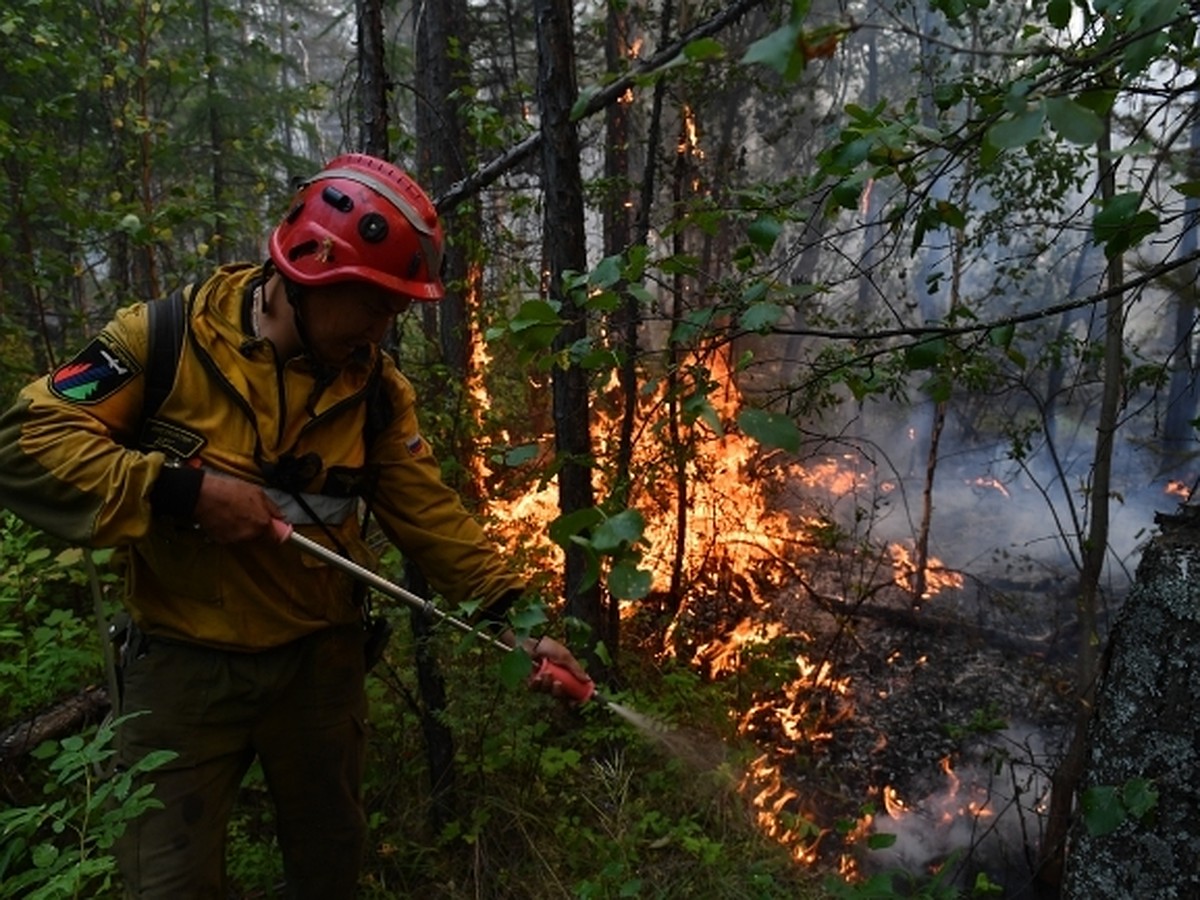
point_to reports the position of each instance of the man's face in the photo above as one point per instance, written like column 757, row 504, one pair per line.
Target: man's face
column 343, row 318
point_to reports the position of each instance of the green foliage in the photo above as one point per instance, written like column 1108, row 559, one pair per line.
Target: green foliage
column 62, row 846
column 49, row 643
column 1106, row 808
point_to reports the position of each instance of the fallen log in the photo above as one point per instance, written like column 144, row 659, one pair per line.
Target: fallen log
column 70, row 716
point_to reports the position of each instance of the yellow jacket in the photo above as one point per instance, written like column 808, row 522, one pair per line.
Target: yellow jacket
column 70, row 463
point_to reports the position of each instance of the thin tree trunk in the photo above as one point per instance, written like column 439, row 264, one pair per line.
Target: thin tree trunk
column 566, row 249
column 619, row 238
column 216, row 139
column 372, row 80
column 1179, row 434
column 1093, row 552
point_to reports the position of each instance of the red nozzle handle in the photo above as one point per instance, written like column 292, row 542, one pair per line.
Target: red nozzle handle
column 577, row 690
column 281, row 529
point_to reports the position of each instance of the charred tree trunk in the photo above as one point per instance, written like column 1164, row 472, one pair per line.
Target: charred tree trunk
column 1139, row 836
column 566, row 248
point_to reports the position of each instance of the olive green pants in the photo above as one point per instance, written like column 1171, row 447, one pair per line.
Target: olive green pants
column 300, row 709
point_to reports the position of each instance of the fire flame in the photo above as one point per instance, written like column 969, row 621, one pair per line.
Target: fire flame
column 731, row 527
column 937, row 576
column 1179, row 489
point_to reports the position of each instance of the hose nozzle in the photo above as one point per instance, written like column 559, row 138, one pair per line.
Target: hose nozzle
column 572, row 687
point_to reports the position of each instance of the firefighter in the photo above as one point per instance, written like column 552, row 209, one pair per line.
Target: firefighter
column 281, row 407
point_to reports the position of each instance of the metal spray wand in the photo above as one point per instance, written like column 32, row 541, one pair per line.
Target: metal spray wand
column 572, row 687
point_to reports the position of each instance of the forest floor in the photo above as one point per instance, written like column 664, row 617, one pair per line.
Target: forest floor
column 940, row 724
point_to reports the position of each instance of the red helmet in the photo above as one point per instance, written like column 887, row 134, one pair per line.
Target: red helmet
column 362, row 219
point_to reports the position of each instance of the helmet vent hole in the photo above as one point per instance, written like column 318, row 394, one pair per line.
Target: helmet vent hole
column 373, row 228
column 305, row 249
column 337, row 199
column 414, row 265
column 294, row 214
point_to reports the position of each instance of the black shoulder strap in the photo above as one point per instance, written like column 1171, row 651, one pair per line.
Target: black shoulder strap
column 167, row 323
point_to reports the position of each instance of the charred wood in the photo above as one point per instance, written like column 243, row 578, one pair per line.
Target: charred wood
column 70, row 716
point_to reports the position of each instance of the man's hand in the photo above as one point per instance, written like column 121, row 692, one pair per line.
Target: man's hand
column 548, row 648
column 229, row 510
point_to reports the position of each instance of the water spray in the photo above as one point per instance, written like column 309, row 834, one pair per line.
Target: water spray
column 568, row 684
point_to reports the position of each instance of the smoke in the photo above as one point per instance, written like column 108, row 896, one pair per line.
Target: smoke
column 981, row 818
column 996, row 505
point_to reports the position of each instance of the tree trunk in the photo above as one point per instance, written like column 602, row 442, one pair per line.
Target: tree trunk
column 215, row 137
column 372, row 80
column 566, row 249
column 1094, row 548
column 1179, row 434
column 1140, row 773
column 444, row 151
column 625, row 321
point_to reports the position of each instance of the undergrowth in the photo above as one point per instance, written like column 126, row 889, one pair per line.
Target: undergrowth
column 547, row 801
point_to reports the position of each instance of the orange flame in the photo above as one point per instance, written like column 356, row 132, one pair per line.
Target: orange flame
column 991, row 483
column 1179, row 489
column 937, row 576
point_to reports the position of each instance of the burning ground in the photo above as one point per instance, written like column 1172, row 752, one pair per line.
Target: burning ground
column 891, row 730
column 936, row 719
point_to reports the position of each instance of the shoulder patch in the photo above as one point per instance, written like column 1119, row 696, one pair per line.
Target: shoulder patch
column 97, row 372
column 415, row 445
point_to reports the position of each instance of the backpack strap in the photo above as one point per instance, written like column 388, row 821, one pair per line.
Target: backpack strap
column 167, row 324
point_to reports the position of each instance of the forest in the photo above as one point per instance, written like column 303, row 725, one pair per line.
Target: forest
column 822, row 365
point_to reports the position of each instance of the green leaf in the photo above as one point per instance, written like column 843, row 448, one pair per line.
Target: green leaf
column 880, row 840
column 1058, row 12
column 1188, row 188
column 1074, row 121
column 535, row 325
column 1002, row 335
column 947, row 96
column 925, row 355
column 1017, row 130
column 1139, row 797
column 528, row 618
column 772, row 430
column 626, row 527
column 627, row 582
column 951, row 214
column 763, row 232
column 565, row 527
column 1103, row 811
column 517, row 456
column 697, row 406
column 581, row 102
column 1121, row 224
column 515, row 667
column 761, row 317
column 938, row 387
column 704, row 48
column 44, row 855
column 607, row 272
column 775, row 50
